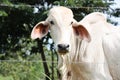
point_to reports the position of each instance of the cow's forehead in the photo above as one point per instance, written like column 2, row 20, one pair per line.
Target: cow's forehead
column 64, row 13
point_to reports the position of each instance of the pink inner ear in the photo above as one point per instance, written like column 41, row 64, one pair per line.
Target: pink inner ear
column 37, row 30
column 40, row 30
column 81, row 31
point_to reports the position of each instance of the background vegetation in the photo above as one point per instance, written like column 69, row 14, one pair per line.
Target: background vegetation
column 24, row 59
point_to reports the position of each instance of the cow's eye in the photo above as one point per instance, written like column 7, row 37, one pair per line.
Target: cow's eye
column 51, row 22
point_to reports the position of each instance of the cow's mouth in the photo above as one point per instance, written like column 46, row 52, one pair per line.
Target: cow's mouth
column 62, row 52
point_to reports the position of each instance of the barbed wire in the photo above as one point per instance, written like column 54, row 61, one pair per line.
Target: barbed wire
column 27, row 61
column 15, row 5
column 33, row 6
column 40, row 61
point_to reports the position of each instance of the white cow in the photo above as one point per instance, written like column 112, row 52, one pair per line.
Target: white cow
column 88, row 50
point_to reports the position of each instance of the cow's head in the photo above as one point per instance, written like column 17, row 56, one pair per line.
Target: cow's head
column 62, row 26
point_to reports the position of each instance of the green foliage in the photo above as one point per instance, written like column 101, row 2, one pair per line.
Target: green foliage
column 22, row 70
column 3, row 13
column 6, row 2
column 6, row 78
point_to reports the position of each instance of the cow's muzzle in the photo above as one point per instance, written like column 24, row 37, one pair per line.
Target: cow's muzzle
column 63, row 48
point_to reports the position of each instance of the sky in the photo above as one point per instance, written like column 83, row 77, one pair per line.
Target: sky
column 116, row 5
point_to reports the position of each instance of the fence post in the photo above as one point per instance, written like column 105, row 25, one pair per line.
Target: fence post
column 39, row 43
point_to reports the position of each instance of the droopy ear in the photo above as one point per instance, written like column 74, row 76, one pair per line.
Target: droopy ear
column 81, row 31
column 40, row 30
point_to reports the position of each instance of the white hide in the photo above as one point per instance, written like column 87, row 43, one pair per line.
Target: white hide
column 111, row 45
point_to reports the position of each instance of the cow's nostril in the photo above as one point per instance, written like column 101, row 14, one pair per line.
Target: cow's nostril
column 63, row 46
column 67, row 46
column 60, row 45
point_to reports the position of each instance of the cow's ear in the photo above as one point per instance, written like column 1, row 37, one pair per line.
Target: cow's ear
column 81, row 32
column 40, row 30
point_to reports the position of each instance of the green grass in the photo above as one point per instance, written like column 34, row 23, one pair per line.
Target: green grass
column 21, row 71
column 30, row 68
column 6, row 78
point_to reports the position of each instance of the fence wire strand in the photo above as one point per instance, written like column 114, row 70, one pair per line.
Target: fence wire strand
column 33, row 6
column 40, row 61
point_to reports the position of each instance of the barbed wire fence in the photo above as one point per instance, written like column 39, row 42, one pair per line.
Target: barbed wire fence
column 39, row 6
